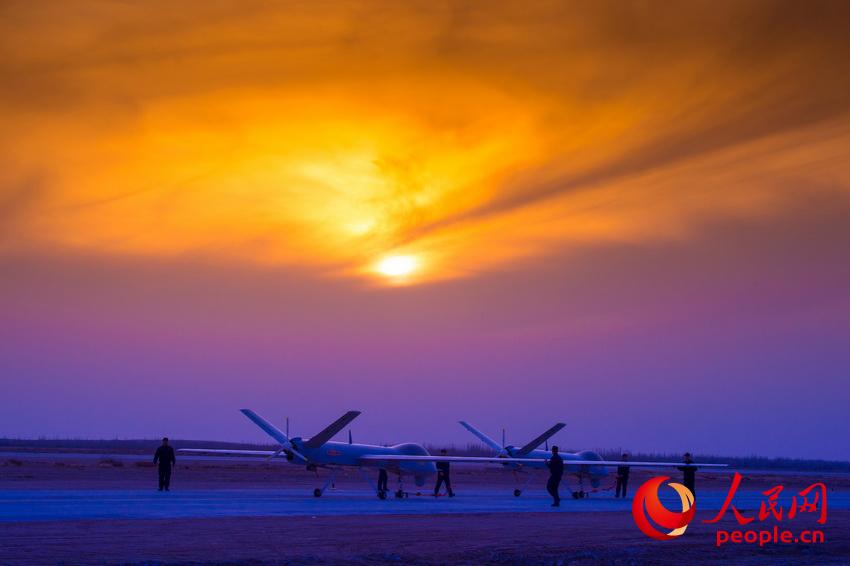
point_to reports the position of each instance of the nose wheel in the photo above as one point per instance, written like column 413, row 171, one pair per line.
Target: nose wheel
column 581, row 493
column 520, row 484
column 317, row 492
column 400, row 493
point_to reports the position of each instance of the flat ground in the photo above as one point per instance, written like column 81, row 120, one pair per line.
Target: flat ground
column 74, row 509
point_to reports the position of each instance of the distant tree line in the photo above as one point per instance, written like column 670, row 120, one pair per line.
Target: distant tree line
column 143, row 446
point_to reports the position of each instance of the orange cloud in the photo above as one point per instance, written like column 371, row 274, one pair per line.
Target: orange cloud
column 334, row 136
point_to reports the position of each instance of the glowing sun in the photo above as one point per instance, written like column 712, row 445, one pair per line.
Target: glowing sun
column 397, row 266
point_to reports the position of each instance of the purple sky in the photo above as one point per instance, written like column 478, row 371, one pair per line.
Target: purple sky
column 736, row 343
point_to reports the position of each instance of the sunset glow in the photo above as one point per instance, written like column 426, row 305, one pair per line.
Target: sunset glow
column 349, row 203
column 397, row 266
column 479, row 158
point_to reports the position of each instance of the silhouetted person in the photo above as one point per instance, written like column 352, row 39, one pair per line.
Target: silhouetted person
column 165, row 457
column 689, row 473
column 622, row 478
column 382, row 481
column 443, row 476
column 556, row 471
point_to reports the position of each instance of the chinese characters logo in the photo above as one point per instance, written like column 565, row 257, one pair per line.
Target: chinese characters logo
column 814, row 504
column 652, row 518
column 811, row 500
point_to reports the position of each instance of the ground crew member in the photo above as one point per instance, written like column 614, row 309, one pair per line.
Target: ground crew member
column 443, row 476
column 382, row 481
column 556, row 471
column 689, row 473
column 622, row 478
column 165, row 457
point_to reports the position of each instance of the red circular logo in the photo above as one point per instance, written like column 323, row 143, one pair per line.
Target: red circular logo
column 646, row 503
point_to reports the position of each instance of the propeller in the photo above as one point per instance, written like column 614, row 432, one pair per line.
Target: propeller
column 284, row 443
column 288, row 448
column 282, row 447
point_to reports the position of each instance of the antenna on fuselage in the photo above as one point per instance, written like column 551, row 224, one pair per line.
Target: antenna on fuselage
column 287, row 427
column 349, row 437
column 503, row 438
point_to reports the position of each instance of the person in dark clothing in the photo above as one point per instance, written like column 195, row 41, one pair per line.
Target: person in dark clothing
column 622, row 478
column 556, row 471
column 443, row 476
column 689, row 473
column 164, row 456
column 382, row 481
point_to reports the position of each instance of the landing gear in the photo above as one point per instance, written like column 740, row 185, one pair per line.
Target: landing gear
column 320, row 490
column 400, row 493
column 581, row 493
column 381, row 493
column 520, row 485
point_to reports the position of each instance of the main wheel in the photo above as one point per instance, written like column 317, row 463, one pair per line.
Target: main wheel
column 399, row 494
column 382, row 494
column 317, row 492
column 517, row 492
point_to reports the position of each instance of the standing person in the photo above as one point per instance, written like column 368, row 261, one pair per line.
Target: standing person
column 382, row 482
column 622, row 477
column 556, row 471
column 165, row 457
column 443, row 476
column 689, row 474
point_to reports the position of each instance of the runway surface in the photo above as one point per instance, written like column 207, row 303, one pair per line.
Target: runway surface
column 82, row 504
column 103, row 509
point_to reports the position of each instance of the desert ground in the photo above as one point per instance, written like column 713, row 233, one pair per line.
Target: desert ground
column 104, row 509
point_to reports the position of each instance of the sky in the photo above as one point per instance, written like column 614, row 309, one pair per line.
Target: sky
column 631, row 217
